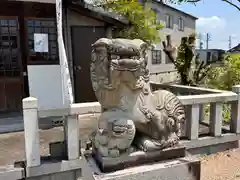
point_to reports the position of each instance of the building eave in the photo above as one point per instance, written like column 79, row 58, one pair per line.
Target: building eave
column 97, row 13
column 235, row 49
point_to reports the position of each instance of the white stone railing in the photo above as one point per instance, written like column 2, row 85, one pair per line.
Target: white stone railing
column 193, row 105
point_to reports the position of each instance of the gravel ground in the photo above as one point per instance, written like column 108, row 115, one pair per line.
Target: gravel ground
column 221, row 166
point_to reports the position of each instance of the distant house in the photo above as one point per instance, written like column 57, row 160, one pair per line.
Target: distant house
column 235, row 49
column 178, row 24
column 211, row 55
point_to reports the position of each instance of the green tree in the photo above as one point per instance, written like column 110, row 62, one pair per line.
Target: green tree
column 192, row 71
column 143, row 20
column 226, row 76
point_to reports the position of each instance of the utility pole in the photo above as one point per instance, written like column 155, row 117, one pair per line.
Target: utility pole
column 200, row 41
column 207, row 40
column 230, row 42
column 200, row 38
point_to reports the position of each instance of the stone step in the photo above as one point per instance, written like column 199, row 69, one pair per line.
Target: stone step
column 187, row 168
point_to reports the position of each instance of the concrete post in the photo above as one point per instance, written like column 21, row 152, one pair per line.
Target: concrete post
column 31, row 134
column 216, row 119
column 192, row 121
column 73, row 145
column 235, row 112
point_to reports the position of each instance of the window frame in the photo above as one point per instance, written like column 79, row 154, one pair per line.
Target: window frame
column 10, row 56
column 157, row 12
column 169, row 21
column 157, row 59
column 180, row 24
column 209, row 56
column 45, row 56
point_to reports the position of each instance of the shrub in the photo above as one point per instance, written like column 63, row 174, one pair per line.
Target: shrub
column 224, row 78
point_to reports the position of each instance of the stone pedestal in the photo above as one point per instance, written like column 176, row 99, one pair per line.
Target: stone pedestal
column 187, row 168
column 108, row 164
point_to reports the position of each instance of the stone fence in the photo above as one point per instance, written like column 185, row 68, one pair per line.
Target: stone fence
column 75, row 165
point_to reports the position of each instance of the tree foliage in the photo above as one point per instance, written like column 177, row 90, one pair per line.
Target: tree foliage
column 226, row 76
column 143, row 20
column 192, row 71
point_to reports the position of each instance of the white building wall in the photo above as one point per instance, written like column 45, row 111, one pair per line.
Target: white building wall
column 165, row 72
column 45, row 85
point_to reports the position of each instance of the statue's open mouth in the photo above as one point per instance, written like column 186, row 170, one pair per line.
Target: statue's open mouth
column 127, row 64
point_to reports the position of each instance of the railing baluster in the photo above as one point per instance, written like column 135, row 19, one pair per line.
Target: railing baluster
column 192, row 121
column 216, row 119
column 235, row 112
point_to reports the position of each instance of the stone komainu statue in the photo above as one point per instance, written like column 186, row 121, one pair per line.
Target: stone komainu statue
column 131, row 113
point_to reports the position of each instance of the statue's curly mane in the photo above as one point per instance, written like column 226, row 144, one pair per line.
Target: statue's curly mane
column 169, row 102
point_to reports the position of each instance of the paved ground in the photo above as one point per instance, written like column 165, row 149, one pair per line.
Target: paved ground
column 15, row 123
column 12, row 144
column 222, row 166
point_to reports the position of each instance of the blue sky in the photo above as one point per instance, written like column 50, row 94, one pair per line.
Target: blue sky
column 217, row 18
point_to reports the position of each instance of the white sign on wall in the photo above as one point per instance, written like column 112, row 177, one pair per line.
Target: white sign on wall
column 65, row 75
column 40, row 42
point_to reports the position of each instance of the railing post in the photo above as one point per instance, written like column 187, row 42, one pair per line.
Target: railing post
column 235, row 112
column 31, row 134
column 216, row 119
column 72, row 128
column 192, row 121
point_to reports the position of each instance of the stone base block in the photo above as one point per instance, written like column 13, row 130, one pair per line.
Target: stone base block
column 107, row 164
column 187, row 168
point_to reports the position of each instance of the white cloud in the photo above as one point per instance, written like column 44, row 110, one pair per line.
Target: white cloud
column 218, row 29
column 211, row 23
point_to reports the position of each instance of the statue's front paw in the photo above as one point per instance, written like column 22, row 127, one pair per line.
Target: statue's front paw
column 172, row 141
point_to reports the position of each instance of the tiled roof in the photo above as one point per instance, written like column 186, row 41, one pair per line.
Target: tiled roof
column 235, row 49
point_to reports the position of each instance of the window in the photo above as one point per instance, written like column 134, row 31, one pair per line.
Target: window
column 157, row 12
column 169, row 21
column 180, row 24
column 9, row 48
column 43, row 26
column 156, row 57
column 208, row 56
